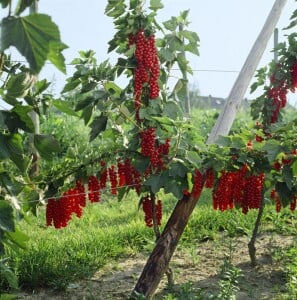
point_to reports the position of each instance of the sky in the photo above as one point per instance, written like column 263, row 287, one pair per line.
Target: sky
column 227, row 30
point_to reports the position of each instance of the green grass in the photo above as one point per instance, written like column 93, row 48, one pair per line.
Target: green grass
column 288, row 259
column 111, row 230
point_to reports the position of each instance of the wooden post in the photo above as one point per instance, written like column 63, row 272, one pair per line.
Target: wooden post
column 232, row 105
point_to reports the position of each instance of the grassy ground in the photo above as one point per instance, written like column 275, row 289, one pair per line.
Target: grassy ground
column 112, row 230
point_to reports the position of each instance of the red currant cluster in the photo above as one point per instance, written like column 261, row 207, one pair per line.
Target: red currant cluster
column 147, row 206
column 278, row 95
column 121, row 173
column 132, row 176
column 113, row 178
column 253, row 191
column 285, row 160
column 198, row 184
column 103, row 176
column 293, row 73
column 149, row 148
column 209, row 178
column 147, row 71
column 94, row 189
column 59, row 212
column 274, row 196
column 240, row 188
column 278, row 204
column 96, row 184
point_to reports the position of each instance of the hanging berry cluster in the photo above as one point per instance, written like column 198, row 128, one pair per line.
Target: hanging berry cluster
column 278, row 204
column 238, row 188
column 148, row 209
column 147, row 71
column 150, row 148
column 209, row 178
column 60, row 210
column 198, row 184
column 278, row 95
column 281, row 83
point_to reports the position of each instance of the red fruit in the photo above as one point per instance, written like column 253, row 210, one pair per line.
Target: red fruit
column 198, row 184
column 94, row 189
column 210, row 178
column 113, row 179
column 147, row 207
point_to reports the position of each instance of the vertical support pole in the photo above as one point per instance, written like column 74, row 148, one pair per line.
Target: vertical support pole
column 187, row 101
column 35, row 118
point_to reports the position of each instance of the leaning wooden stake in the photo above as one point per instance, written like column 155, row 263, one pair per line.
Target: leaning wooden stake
column 227, row 115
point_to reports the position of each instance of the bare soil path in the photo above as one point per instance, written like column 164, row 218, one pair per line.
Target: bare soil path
column 197, row 267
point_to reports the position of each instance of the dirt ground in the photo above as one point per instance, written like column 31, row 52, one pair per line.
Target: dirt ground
column 200, row 266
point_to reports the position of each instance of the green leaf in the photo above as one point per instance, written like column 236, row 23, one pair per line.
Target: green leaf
column 87, row 114
column 115, row 8
column 36, row 37
column 55, row 55
column 65, row 107
column 155, row 182
column 89, row 86
column 194, row 158
column 82, row 104
column 17, row 239
column 171, row 24
column 294, row 168
column 46, row 145
column 4, row 3
column 164, row 120
column 237, row 142
column 174, row 43
column 12, row 186
column 14, row 121
column 177, row 169
column 167, row 54
column 193, row 48
column 41, row 86
column 11, row 278
column 71, row 85
column 8, row 296
column 172, row 110
column 112, row 88
column 18, row 86
column 6, row 216
column 15, row 146
column 272, row 148
column 23, row 113
column 284, row 193
column 183, row 64
column 180, row 89
column 98, row 125
column 288, row 176
column 176, row 188
column 155, row 5
column 191, row 36
column 4, row 151
column 22, row 5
